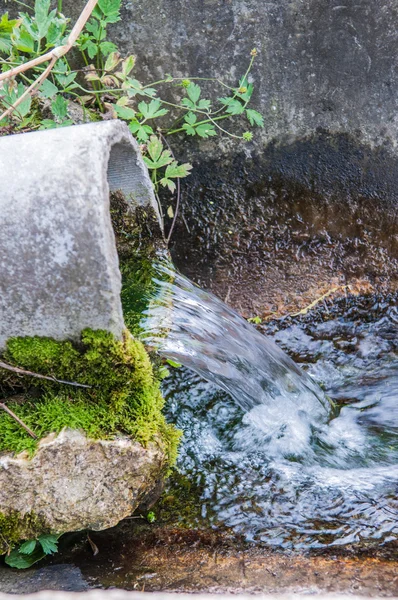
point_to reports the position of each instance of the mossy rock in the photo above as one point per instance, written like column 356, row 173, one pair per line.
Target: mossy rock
column 122, row 407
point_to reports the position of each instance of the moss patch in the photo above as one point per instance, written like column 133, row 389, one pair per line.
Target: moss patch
column 124, row 398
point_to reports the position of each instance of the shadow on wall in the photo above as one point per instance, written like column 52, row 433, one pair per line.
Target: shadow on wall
column 277, row 230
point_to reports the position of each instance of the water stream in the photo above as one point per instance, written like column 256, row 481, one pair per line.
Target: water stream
column 274, row 462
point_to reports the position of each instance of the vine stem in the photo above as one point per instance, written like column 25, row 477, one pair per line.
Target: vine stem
column 178, row 193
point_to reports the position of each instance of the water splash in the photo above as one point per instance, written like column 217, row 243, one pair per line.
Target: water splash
column 191, row 326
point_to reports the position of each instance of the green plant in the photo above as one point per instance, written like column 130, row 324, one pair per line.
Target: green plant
column 31, row 551
column 106, row 86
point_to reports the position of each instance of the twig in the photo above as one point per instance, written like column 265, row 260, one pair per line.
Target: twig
column 20, row 371
column 178, row 193
column 18, row 420
column 51, row 56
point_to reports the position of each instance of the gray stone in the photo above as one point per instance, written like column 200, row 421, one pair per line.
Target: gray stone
column 74, row 483
column 58, row 262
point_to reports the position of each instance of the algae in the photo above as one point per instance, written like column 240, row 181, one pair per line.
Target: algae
column 124, row 396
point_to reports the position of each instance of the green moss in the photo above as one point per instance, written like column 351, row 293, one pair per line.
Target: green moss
column 124, row 398
column 15, row 527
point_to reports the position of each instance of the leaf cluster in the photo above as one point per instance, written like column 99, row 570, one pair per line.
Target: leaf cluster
column 31, row 551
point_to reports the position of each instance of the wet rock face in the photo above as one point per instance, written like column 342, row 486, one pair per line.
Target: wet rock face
column 71, row 482
column 272, row 232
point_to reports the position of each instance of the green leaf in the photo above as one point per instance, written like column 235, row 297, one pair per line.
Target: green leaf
column 66, row 80
column 92, row 49
column 235, row 107
column 152, row 110
column 24, row 42
column 27, row 547
column 59, row 107
column 124, row 112
column 204, row 104
column 168, row 183
column 141, row 132
column 190, row 118
column 107, row 47
column 112, row 61
column 48, row 89
column 254, row 117
column 24, row 561
column 43, row 18
column 128, row 65
column 164, row 159
column 194, row 91
column 174, row 170
column 110, row 8
column 206, row 130
column 155, row 147
column 173, row 363
column 6, row 28
column 189, row 130
column 49, row 543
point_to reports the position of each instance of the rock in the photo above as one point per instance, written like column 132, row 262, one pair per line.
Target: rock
column 74, row 483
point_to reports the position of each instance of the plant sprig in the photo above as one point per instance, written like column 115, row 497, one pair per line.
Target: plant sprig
column 106, row 86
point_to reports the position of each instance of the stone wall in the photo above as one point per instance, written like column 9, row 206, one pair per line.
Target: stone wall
column 310, row 204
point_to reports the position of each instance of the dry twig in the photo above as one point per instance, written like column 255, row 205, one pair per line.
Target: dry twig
column 18, row 420
column 20, row 371
column 51, row 56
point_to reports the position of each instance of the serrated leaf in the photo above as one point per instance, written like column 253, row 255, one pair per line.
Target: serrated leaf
column 24, row 42
column 168, row 183
column 123, row 101
column 189, row 130
column 43, row 17
column 6, row 29
column 128, row 65
column 107, row 47
column 59, row 107
column 190, row 118
column 49, row 543
column 194, row 91
column 66, row 80
column 48, row 89
column 152, row 110
column 24, row 561
column 188, row 103
column 149, row 91
column 206, row 130
column 27, row 547
column 226, row 101
column 124, row 112
column 112, row 61
column 174, row 170
column 204, row 104
column 235, row 107
column 141, row 132
column 155, row 147
column 92, row 49
column 164, row 159
column 110, row 8
column 254, row 117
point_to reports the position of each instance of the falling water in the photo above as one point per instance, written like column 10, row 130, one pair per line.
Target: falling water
column 273, row 460
column 193, row 327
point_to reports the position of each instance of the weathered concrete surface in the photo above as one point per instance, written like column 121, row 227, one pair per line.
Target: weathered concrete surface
column 311, row 203
column 58, row 262
column 121, row 595
column 75, row 483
